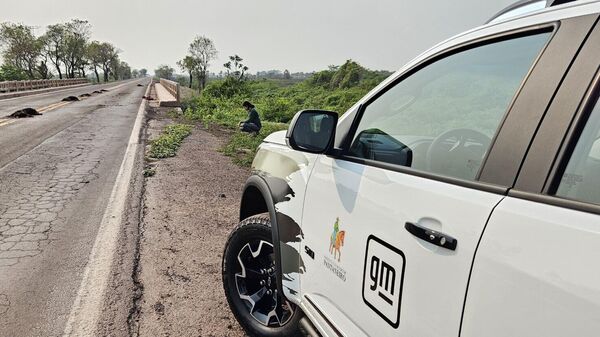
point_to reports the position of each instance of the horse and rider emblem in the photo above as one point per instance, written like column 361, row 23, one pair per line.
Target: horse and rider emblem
column 337, row 240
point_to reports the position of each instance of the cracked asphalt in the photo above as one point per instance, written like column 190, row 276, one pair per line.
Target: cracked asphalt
column 56, row 174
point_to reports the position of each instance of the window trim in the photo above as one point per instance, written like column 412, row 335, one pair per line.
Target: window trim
column 514, row 140
column 590, row 100
column 551, row 27
column 541, row 175
column 548, row 194
column 556, row 201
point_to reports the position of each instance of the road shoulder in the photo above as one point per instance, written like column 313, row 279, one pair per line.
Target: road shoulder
column 190, row 205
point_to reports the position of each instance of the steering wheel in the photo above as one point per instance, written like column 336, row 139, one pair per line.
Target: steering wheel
column 457, row 153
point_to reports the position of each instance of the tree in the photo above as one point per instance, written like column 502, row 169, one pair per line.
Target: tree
column 43, row 70
column 115, row 66
column 10, row 73
column 54, row 45
column 135, row 73
column 108, row 53
column 64, row 47
column 94, row 57
column 286, row 74
column 77, row 36
column 143, row 72
column 124, row 71
column 164, row 71
column 188, row 64
column 21, row 49
column 202, row 50
column 235, row 68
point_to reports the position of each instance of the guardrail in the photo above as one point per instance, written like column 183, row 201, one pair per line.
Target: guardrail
column 172, row 87
column 11, row 86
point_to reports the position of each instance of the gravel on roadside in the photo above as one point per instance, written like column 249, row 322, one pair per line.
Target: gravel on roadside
column 190, row 206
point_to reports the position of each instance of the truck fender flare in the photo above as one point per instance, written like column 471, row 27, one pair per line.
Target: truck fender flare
column 259, row 183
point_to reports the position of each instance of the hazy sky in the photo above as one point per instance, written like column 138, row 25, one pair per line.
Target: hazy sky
column 299, row 35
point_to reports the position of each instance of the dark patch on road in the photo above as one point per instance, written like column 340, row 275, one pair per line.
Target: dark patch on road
column 25, row 113
column 96, row 92
column 174, row 277
column 4, row 304
column 140, row 85
column 104, row 90
column 70, row 99
column 85, row 95
column 159, row 308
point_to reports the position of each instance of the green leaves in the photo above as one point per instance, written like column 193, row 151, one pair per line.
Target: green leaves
column 167, row 144
column 11, row 73
column 164, row 71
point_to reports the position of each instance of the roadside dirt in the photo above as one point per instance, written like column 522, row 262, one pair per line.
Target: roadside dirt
column 190, row 205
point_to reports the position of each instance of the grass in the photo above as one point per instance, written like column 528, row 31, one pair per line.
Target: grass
column 167, row 144
column 242, row 146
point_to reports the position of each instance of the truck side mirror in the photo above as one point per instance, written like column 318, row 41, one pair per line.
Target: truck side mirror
column 312, row 131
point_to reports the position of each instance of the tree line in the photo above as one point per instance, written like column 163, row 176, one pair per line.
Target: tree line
column 65, row 50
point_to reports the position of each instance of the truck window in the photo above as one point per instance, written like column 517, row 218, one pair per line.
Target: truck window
column 442, row 118
column 581, row 178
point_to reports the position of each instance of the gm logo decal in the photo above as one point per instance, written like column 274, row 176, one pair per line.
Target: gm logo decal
column 382, row 279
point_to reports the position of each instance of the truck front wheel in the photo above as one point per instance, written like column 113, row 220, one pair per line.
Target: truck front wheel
column 249, row 280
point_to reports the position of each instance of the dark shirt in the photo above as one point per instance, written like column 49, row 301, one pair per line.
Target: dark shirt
column 253, row 118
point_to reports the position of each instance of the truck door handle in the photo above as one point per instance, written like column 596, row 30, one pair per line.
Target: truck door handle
column 431, row 236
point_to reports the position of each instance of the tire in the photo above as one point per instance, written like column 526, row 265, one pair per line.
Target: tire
column 248, row 251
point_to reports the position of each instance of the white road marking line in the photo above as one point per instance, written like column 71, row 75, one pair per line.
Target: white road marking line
column 87, row 306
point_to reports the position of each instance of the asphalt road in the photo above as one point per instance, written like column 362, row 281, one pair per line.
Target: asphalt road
column 57, row 172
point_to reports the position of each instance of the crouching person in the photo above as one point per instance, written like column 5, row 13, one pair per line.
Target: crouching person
column 252, row 124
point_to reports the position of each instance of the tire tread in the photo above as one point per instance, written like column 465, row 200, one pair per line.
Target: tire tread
column 258, row 222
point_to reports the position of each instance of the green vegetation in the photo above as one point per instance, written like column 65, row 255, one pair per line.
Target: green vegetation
column 10, row 73
column 242, row 146
column 200, row 53
column 65, row 50
column 164, row 71
column 149, row 172
column 168, row 142
column 337, row 89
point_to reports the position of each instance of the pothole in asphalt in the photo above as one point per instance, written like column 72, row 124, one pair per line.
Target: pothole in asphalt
column 140, row 85
column 70, row 99
column 25, row 113
column 96, row 92
column 104, row 90
column 85, row 95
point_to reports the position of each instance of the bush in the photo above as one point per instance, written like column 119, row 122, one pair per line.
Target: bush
column 10, row 73
column 168, row 142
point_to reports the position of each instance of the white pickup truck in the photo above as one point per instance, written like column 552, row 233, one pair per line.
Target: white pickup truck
column 461, row 197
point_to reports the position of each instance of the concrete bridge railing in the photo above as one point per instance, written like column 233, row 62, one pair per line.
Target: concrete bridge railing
column 172, row 87
column 11, row 86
